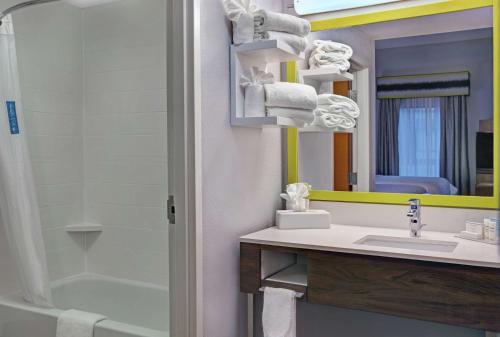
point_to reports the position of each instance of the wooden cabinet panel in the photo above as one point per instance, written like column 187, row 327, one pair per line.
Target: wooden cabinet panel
column 446, row 293
column 249, row 268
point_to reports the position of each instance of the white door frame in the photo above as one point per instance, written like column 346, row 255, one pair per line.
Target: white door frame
column 184, row 146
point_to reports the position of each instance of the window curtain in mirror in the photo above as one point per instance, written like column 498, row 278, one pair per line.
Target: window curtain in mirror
column 19, row 211
column 454, row 151
column 387, row 137
column 419, row 137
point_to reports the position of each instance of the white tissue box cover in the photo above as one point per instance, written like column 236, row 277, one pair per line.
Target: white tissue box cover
column 312, row 219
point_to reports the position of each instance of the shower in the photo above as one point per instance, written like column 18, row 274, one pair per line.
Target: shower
column 86, row 97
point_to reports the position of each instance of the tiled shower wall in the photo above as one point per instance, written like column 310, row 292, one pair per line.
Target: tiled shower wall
column 125, row 125
column 51, row 75
column 94, row 95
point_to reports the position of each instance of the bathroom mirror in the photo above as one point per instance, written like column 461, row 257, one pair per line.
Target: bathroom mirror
column 424, row 81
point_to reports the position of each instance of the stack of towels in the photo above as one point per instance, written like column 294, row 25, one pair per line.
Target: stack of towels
column 329, row 54
column 292, row 100
column 264, row 97
column 335, row 111
column 250, row 24
column 278, row 26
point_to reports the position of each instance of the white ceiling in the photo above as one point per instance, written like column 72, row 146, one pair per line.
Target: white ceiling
column 439, row 38
column 89, row 3
column 433, row 24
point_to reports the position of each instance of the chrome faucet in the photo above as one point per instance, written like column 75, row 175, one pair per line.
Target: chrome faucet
column 415, row 221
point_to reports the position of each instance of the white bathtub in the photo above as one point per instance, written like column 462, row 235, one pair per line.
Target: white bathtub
column 133, row 309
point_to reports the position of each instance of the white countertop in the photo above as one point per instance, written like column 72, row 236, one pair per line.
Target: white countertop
column 341, row 238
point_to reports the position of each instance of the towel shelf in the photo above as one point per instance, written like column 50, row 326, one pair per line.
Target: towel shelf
column 262, row 54
column 267, row 51
column 323, row 130
column 293, row 277
column 313, row 76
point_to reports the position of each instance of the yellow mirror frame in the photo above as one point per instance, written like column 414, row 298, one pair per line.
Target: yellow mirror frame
column 398, row 198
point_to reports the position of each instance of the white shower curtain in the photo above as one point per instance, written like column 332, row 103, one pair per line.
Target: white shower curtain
column 19, row 210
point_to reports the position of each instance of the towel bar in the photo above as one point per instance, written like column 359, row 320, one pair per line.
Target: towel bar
column 297, row 294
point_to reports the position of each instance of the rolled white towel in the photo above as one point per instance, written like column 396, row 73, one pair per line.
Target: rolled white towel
column 255, row 96
column 302, row 117
column 298, row 43
column 291, row 95
column 328, row 60
column 240, row 13
column 271, row 21
column 323, row 118
column 339, row 49
column 338, row 104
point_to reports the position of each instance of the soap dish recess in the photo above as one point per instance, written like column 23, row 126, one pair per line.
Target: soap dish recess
column 84, row 228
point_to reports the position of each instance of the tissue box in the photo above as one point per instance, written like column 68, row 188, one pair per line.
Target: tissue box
column 312, row 219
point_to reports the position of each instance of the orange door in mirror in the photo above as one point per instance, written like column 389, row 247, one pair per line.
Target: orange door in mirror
column 342, row 161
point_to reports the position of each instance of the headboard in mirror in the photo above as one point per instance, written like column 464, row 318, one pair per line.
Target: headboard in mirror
column 426, row 80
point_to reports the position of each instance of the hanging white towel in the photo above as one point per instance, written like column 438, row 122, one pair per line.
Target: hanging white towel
column 255, row 95
column 279, row 22
column 240, row 13
column 338, row 104
column 74, row 323
column 279, row 314
column 336, row 48
column 297, row 43
column 291, row 95
column 302, row 117
column 323, row 118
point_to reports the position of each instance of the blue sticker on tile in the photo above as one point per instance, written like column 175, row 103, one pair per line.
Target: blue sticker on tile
column 11, row 111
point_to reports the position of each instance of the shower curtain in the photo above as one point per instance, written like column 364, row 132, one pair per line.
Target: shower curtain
column 19, row 211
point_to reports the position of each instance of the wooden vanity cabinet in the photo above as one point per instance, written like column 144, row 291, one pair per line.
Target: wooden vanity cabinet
column 440, row 292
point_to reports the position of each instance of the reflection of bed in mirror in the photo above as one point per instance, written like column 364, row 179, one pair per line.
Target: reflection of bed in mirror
column 414, row 185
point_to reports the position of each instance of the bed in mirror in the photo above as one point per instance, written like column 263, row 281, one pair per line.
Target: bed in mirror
column 425, row 89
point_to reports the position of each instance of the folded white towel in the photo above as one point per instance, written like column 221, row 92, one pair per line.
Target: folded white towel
column 338, row 104
column 291, row 95
column 339, row 49
column 279, row 313
column 298, row 43
column 279, row 22
column 255, row 95
column 323, row 118
column 321, row 60
column 74, row 323
column 240, row 12
column 302, row 117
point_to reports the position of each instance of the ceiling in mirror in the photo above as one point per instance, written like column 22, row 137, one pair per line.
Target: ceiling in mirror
column 304, row 7
column 425, row 90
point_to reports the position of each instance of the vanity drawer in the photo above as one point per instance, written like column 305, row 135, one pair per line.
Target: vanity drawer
column 445, row 293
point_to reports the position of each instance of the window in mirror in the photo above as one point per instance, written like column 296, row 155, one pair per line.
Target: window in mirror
column 419, row 136
column 304, row 7
column 428, row 125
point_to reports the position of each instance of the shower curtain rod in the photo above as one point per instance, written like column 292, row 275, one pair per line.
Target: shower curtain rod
column 22, row 5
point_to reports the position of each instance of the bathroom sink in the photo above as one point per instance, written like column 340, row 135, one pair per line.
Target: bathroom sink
column 408, row 243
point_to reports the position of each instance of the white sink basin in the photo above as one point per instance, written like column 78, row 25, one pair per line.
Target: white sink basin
column 408, row 243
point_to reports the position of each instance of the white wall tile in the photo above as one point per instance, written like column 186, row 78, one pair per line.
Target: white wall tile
column 125, row 124
column 94, row 95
